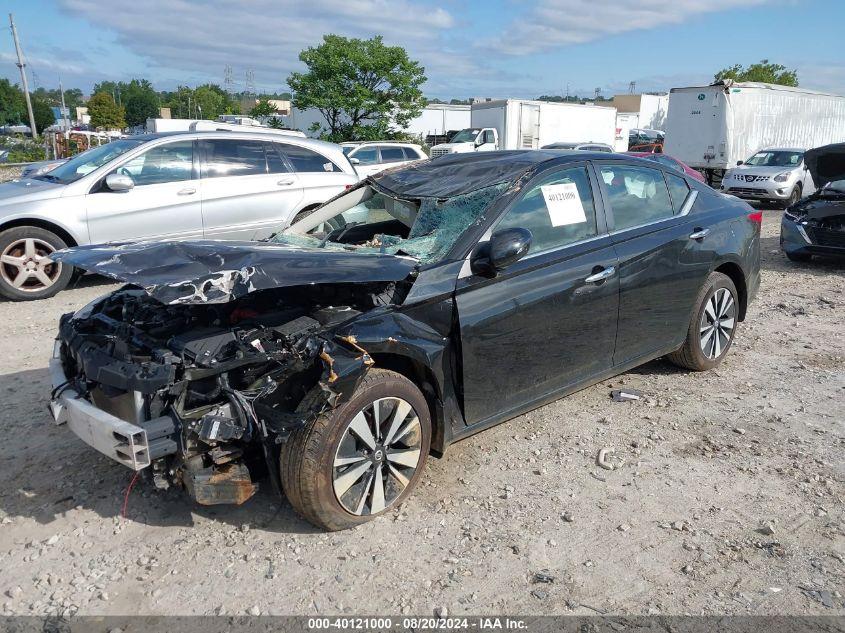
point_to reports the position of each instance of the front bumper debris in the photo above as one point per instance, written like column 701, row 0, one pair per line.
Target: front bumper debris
column 125, row 443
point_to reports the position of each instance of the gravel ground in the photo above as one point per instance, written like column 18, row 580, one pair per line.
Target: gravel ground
column 727, row 497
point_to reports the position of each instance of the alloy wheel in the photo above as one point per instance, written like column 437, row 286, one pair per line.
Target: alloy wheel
column 26, row 266
column 378, row 454
column 717, row 323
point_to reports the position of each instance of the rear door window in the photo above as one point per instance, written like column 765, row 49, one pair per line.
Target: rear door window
column 233, row 157
column 391, row 154
column 366, row 156
column 678, row 189
column 558, row 210
column 306, row 160
column 275, row 162
column 637, row 195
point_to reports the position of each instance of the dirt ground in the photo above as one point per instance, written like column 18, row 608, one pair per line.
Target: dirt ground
column 727, row 497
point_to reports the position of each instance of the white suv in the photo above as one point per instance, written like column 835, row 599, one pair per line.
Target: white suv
column 181, row 185
column 776, row 175
column 372, row 157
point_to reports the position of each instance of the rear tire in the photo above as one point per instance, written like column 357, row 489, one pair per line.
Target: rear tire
column 712, row 327
column 329, row 473
column 26, row 273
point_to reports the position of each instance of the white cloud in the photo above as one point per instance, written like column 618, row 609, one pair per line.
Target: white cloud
column 551, row 24
column 265, row 36
column 39, row 63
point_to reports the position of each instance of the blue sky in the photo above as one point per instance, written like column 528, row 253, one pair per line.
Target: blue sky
column 498, row 48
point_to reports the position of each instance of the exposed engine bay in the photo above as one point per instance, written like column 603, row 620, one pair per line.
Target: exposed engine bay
column 216, row 387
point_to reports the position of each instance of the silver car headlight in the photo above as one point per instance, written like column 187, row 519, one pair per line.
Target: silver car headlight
column 782, row 177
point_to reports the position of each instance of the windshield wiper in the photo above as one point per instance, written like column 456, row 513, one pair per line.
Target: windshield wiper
column 48, row 177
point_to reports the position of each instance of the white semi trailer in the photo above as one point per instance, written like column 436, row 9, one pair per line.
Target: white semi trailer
column 521, row 124
column 712, row 128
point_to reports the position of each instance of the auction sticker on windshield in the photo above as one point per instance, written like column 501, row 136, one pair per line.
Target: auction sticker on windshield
column 563, row 204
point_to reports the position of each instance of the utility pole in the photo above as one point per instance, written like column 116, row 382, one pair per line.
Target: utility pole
column 22, row 66
column 65, row 125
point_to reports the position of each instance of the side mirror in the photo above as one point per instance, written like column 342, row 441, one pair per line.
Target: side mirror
column 119, row 182
column 354, row 161
column 738, row 163
column 504, row 248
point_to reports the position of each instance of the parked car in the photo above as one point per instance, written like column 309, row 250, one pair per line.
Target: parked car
column 222, row 185
column 369, row 158
column 669, row 161
column 481, row 286
column 645, row 140
column 589, row 147
column 776, row 175
column 816, row 224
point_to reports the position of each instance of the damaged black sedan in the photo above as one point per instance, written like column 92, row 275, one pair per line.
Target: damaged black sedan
column 426, row 304
column 816, row 224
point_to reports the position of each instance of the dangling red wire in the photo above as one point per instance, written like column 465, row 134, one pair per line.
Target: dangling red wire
column 126, row 496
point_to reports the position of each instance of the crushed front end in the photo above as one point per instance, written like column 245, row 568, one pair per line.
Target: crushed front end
column 815, row 226
column 200, row 396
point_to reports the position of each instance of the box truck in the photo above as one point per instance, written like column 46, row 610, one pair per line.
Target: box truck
column 712, row 128
column 520, row 124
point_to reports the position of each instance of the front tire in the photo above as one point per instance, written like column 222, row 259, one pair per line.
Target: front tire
column 362, row 459
column 794, row 197
column 26, row 273
column 712, row 327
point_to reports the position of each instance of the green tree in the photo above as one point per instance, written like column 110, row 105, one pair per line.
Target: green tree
column 12, row 105
column 361, row 87
column 764, row 71
column 53, row 96
column 140, row 107
column 43, row 114
column 203, row 102
column 105, row 113
column 263, row 108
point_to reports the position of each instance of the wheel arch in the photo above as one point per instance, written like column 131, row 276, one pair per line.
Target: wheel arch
column 734, row 272
column 422, row 376
column 67, row 236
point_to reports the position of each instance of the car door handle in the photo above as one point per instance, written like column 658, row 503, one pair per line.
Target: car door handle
column 189, row 191
column 601, row 275
column 699, row 234
column 284, row 183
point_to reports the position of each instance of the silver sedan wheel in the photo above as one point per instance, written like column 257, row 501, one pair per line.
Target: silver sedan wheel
column 25, row 265
column 377, row 456
column 717, row 323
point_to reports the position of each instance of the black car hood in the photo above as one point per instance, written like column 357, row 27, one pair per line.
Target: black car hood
column 826, row 163
column 208, row 271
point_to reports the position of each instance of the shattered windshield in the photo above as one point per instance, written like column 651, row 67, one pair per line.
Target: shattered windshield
column 424, row 228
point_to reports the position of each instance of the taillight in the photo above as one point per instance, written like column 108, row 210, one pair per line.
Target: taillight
column 756, row 217
column 348, row 187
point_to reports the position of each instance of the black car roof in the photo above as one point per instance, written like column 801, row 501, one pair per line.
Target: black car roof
column 456, row 174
